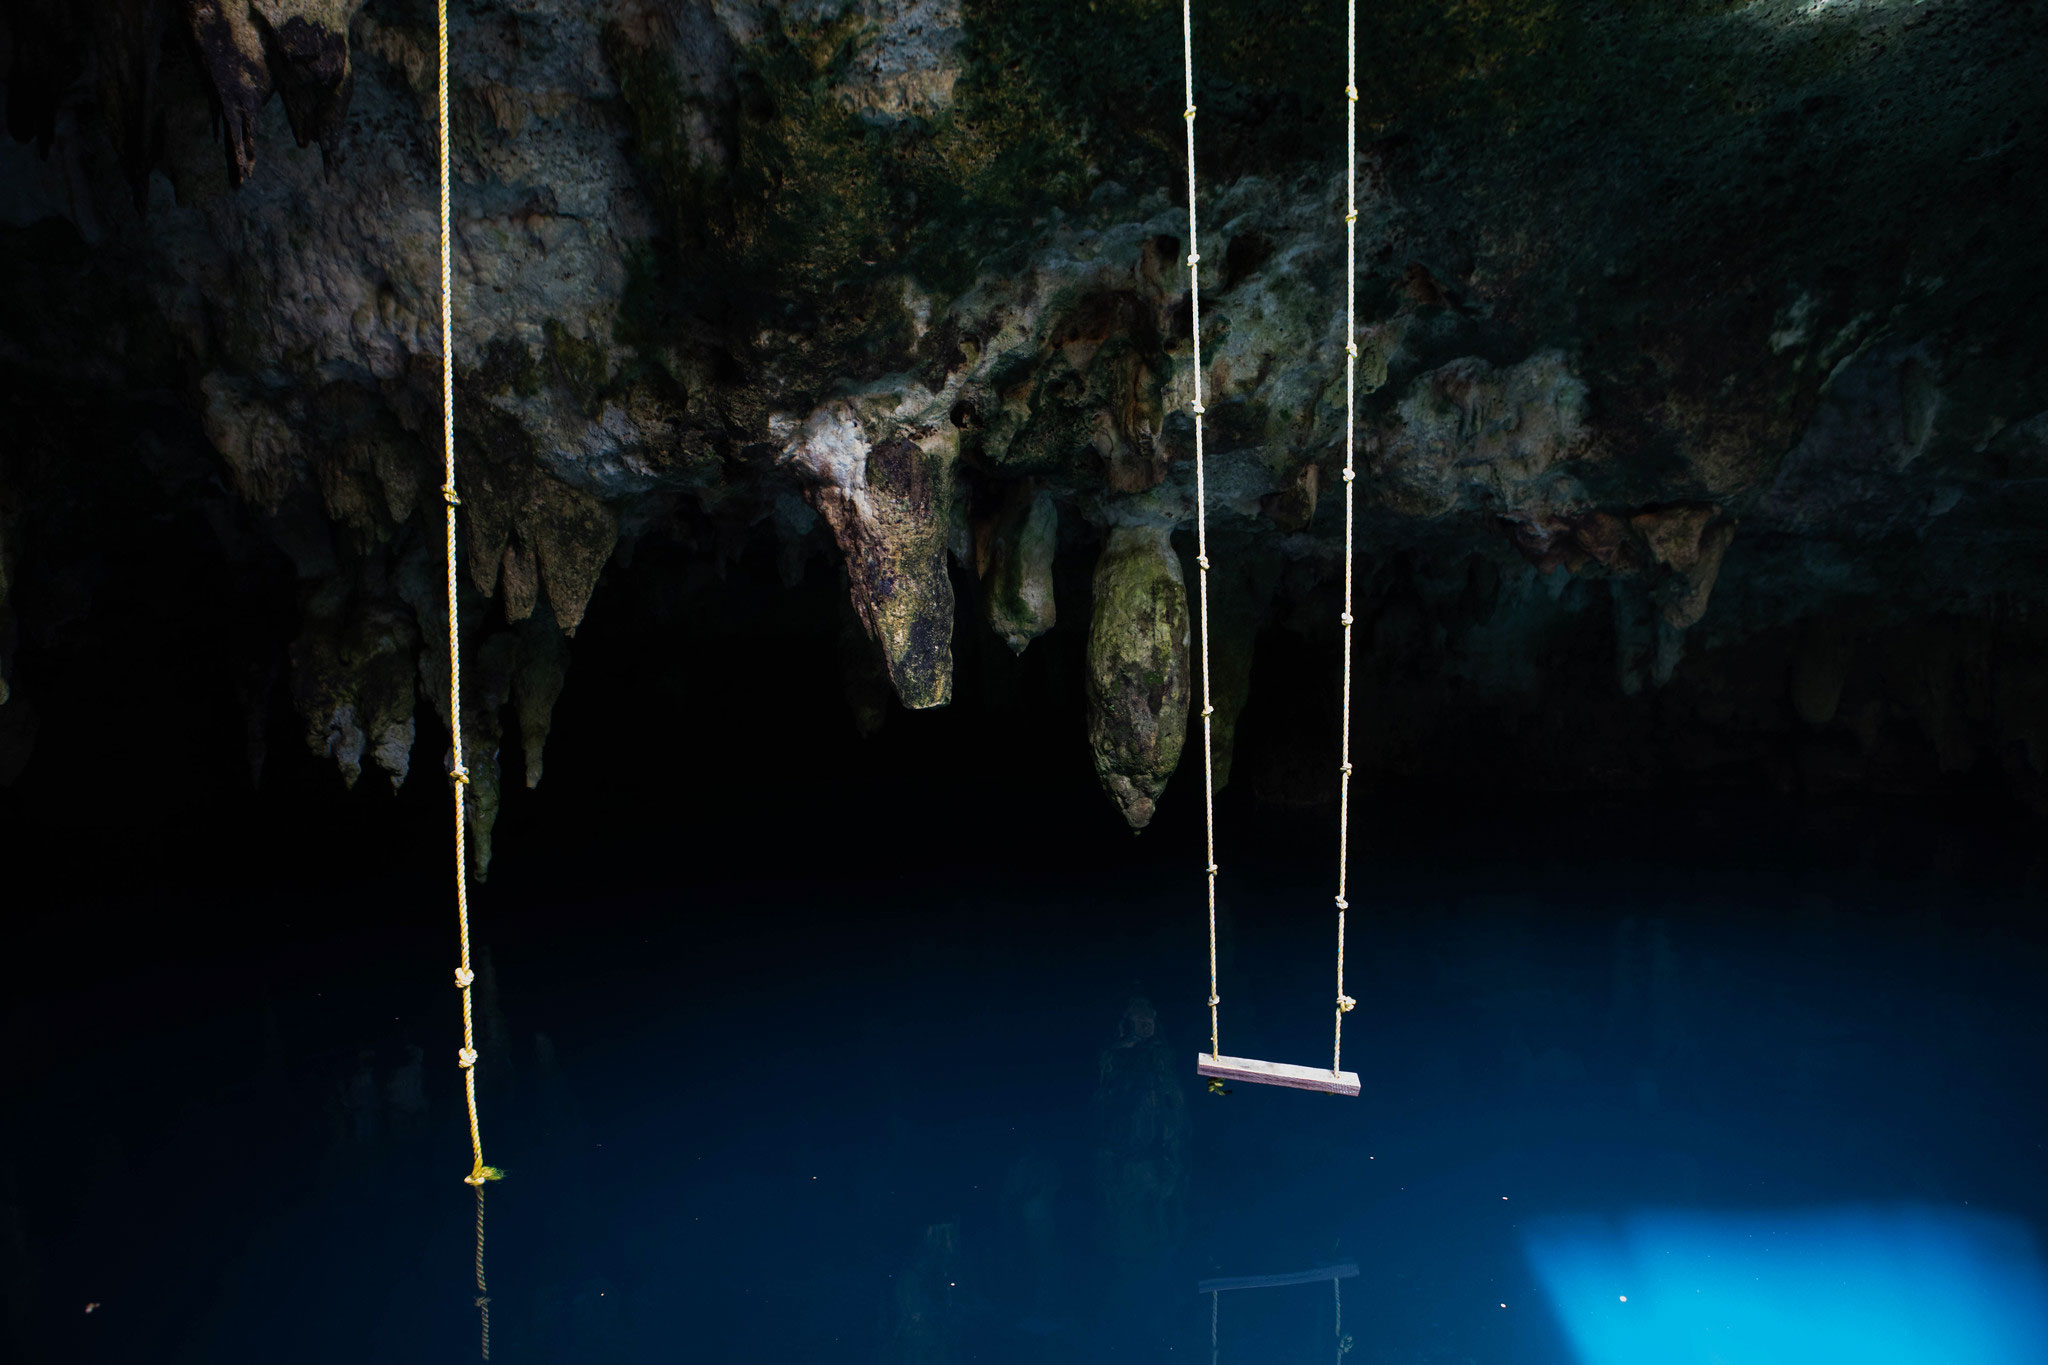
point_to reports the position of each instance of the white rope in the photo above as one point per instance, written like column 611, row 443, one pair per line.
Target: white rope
column 1345, row 1002
column 1187, row 34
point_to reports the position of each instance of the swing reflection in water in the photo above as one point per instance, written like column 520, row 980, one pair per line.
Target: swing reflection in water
column 1335, row 1274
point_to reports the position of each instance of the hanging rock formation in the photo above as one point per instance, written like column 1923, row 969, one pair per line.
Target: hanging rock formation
column 1138, row 668
column 888, row 500
column 1681, row 328
column 1014, row 558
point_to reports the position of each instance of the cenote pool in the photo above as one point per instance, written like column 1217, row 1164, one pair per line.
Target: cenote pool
column 1715, row 1083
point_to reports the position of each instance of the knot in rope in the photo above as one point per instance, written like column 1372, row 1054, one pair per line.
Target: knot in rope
column 1351, row 217
column 1188, row 112
column 1202, row 563
column 1208, row 710
column 1346, row 770
column 460, row 774
column 464, row 978
column 1198, row 409
column 1214, row 1001
column 448, row 495
column 466, row 1058
column 1349, row 476
column 1351, row 349
column 1345, row 618
column 1345, row 1004
column 1343, row 904
column 1351, row 92
column 1213, row 869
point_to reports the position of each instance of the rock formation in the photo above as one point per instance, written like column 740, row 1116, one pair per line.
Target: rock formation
column 1685, row 330
column 1138, row 668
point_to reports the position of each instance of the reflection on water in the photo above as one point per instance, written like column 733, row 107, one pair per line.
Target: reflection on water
column 1142, row 1138
column 1870, row 1286
column 977, row 1139
column 1341, row 1342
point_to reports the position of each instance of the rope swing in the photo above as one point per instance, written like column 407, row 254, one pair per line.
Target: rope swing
column 1214, row 1064
column 464, row 977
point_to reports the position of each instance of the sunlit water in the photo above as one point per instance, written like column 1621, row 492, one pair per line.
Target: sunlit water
column 1641, row 1108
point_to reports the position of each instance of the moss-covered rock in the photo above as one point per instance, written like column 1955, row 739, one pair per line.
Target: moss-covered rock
column 1138, row 681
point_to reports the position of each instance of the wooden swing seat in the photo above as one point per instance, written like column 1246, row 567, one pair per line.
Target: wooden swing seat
column 1277, row 1073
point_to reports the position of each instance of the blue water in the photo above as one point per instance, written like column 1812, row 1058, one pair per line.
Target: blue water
column 1783, row 1092
column 1903, row 1282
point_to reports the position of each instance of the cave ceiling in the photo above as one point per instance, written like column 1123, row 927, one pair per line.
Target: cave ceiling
column 1701, row 366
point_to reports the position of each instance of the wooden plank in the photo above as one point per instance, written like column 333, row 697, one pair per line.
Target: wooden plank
column 1343, row 1270
column 1277, row 1073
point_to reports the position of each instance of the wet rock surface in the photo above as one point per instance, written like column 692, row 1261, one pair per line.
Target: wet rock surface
column 1703, row 418
column 1138, row 668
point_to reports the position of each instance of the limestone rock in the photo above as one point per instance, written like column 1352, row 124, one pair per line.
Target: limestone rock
column 256, row 440
column 352, row 682
column 537, row 684
column 1138, row 675
column 715, row 261
column 1468, row 430
column 1016, row 565
column 573, row 534
column 1690, row 542
column 889, row 503
column 231, row 54
column 306, row 45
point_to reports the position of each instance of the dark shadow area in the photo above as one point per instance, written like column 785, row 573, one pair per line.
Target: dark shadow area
column 802, row 1043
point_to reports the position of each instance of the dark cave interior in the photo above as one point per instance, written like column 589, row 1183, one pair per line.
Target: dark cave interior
column 822, row 392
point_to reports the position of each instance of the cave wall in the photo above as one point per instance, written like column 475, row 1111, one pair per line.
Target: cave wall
column 1704, row 431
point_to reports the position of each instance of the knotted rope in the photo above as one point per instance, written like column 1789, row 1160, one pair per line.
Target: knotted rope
column 1187, row 33
column 464, row 977
column 1344, row 1002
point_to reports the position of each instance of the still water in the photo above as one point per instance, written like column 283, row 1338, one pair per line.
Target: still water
column 1720, row 1090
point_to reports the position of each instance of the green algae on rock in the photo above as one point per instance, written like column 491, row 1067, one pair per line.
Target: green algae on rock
column 1138, row 683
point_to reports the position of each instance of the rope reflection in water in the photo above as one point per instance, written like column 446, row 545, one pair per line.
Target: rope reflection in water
column 483, row 1293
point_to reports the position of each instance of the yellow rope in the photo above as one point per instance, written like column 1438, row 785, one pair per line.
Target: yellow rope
column 464, row 977
column 1187, row 34
column 1345, row 1002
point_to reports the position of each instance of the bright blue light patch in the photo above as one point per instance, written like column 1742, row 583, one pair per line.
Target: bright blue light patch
column 1896, row 1286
